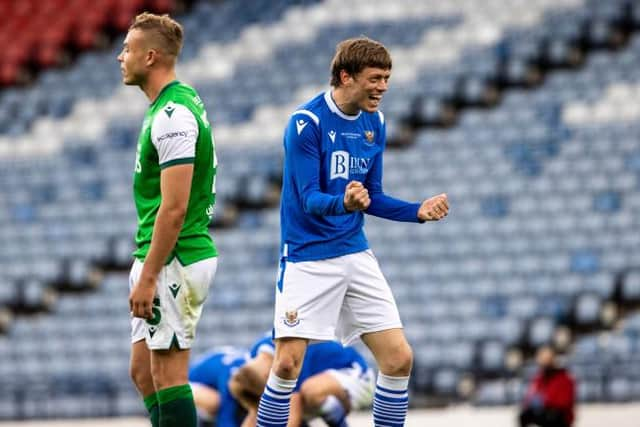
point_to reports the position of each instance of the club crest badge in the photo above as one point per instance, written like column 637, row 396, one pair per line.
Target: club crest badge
column 369, row 135
column 291, row 318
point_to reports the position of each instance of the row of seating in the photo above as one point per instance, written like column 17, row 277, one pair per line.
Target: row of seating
column 46, row 31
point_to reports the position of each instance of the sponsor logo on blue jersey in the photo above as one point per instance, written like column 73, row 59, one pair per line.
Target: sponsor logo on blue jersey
column 344, row 165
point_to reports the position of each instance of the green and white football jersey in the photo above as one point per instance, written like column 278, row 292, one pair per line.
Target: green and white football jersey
column 176, row 131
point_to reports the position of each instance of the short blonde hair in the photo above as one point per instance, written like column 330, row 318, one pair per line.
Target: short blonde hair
column 354, row 55
column 166, row 31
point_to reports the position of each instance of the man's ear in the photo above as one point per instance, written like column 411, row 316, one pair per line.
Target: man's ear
column 152, row 57
column 345, row 77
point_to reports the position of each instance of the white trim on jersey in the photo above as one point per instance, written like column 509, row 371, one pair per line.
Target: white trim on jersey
column 174, row 133
column 315, row 118
column 334, row 108
column 266, row 348
column 381, row 117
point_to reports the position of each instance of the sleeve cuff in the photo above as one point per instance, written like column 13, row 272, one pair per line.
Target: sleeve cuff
column 183, row 161
column 340, row 209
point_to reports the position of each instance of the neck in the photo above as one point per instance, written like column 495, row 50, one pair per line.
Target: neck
column 156, row 82
column 346, row 105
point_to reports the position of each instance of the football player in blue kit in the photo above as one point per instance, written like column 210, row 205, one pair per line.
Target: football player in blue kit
column 209, row 378
column 329, row 281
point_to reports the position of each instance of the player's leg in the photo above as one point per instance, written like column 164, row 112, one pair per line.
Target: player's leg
column 181, row 291
column 391, row 350
column 372, row 314
column 308, row 300
column 170, row 371
column 324, row 395
column 140, row 362
column 273, row 409
column 394, row 357
column 140, row 372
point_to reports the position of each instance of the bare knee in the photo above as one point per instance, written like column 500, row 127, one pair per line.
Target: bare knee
column 140, row 368
column 169, row 368
column 397, row 362
column 287, row 365
column 141, row 377
column 163, row 377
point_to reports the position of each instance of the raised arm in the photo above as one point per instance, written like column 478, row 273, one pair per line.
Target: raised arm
column 247, row 383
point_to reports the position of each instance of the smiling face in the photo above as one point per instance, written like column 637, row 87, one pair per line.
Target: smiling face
column 133, row 58
column 360, row 72
column 364, row 91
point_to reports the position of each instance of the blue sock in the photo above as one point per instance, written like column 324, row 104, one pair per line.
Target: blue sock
column 273, row 410
column 333, row 412
column 391, row 401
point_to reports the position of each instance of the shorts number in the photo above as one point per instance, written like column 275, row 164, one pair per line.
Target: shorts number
column 156, row 312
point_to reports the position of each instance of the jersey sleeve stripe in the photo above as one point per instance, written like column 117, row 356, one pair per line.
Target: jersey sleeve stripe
column 315, row 118
column 381, row 117
column 183, row 161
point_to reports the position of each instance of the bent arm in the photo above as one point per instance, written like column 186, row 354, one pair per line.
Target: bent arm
column 385, row 206
column 247, row 383
column 174, row 136
column 175, row 187
column 302, row 152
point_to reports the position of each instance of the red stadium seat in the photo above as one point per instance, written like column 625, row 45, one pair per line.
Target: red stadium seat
column 9, row 73
column 48, row 55
column 122, row 20
column 162, row 6
column 37, row 33
column 86, row 37
column 17, row 52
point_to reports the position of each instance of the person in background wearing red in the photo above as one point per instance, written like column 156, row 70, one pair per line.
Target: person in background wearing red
column 550, row 398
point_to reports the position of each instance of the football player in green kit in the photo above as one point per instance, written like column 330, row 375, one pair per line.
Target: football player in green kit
column 174, row 193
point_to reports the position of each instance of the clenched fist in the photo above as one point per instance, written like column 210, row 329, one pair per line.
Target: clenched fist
column 435, row 208
column 356, row 197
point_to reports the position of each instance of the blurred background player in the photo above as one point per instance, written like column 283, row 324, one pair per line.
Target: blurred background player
column 209, row 378
column 174, row 186
column 550, row 398
column 329, row 279
column 334, row 381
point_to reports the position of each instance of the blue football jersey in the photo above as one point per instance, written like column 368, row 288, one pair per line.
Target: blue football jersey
column 214, row 370
column 325, row 149
column 329, row 355
column 264, row 344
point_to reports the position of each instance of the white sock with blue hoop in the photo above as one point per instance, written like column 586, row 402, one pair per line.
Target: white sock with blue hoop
column 391, row 401
column 273, row 410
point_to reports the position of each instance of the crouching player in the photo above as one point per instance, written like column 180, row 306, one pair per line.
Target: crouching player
column 209, row 378
column 334, row 381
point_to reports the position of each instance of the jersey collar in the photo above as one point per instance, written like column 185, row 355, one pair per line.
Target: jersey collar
column 334, row 108
column 167, row 86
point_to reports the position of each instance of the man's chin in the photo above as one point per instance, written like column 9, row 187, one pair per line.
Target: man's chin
column 128, row 81
column 370, row 108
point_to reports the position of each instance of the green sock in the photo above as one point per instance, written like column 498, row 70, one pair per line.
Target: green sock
column 177, row 408
column 151, row 403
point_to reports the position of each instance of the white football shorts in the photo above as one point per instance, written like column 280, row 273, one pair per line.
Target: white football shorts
column 341, row 297
column 177, row 306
